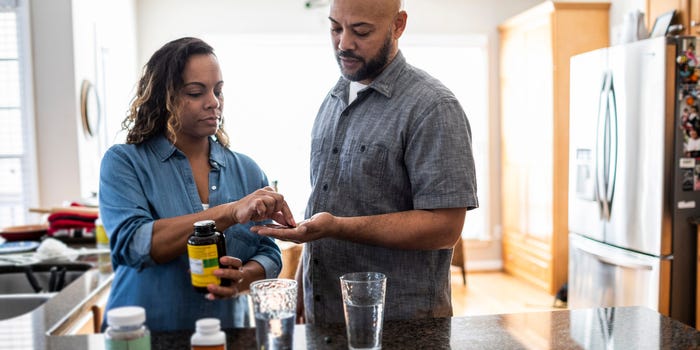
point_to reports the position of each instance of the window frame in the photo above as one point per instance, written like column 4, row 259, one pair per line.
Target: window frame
column 29, row 191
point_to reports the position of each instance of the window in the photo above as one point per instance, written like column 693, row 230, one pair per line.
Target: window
column 17, row 175
column 275, row 85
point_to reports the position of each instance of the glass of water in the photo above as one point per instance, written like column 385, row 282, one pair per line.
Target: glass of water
column 274, row 306
column 363, row 303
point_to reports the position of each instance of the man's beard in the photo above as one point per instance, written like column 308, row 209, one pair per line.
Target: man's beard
column 368, row 70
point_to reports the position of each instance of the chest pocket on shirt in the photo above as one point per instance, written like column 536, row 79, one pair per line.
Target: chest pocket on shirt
column 363, row 168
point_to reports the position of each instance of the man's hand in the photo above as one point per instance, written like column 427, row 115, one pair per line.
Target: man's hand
column 316, row 227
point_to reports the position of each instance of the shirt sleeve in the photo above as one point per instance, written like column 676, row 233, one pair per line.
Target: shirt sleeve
column 267, row 253
column 439, row 157
column 124, row 211
column 269, row 256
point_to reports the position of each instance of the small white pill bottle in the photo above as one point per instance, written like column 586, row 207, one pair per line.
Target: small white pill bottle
column 126, row 329
column 208, row 335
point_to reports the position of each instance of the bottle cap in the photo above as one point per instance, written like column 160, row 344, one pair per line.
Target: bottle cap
column 204, row 223
column 126, row 316
column 208, row 325
column 204, row 227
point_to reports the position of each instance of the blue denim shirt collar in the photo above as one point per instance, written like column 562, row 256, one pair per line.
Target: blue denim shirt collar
column 166, row 149
column 384, row 83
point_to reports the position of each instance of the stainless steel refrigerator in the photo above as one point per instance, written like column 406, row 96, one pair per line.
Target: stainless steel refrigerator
column 633, row 177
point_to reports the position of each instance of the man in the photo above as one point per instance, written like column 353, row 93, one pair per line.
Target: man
column 392, row 173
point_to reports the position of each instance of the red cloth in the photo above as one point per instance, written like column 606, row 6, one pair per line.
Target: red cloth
column 71, row 224
column 59, row 215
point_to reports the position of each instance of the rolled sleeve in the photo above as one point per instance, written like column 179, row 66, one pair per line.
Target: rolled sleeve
column 269, row 256
column 139, row 251
column 272, row 269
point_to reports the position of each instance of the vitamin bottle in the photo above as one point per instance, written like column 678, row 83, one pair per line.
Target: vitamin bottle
column 204, row 248
column 126, row 329
column 104, row 261
column 208, row 335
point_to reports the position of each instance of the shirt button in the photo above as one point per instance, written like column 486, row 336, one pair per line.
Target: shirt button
column 213, row 188
column 325, row 187
column 317, row 297
column 315, row 261
column 335, row 150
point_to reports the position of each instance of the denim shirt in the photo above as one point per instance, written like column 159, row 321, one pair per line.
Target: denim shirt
column 404, row 143
column 142, row 183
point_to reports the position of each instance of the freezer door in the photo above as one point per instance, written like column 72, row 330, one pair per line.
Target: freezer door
column 587, row 104
column 595, row 329
column 603, row 275
column 638, row 148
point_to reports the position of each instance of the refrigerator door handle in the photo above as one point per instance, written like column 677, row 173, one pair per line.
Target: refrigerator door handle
column 601, row 148
column 623, row 263
column 611, row 165
column 614, row 260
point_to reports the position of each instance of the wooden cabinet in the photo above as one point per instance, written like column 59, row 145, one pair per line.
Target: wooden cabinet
column 654, row 8
column 535, row 48
column 687, row 13
column 692, row 19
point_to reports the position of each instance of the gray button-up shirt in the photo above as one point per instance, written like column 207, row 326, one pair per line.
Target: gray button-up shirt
column 403, row 144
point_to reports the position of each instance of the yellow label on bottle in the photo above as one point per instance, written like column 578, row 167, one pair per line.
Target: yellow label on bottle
column 204, row 259
column 101, row 234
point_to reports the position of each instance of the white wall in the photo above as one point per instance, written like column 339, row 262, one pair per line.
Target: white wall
column 74, row 40
column 54, row 100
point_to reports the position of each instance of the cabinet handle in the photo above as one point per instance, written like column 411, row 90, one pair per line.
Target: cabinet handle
column 692, row 25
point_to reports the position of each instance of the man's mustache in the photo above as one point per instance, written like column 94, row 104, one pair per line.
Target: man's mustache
column 348, row 54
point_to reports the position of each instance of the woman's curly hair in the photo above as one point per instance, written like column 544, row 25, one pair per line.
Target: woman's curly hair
column 154, row 110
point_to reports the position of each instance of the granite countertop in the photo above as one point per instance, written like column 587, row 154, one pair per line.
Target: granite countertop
column 595, row 328
column 599, row 328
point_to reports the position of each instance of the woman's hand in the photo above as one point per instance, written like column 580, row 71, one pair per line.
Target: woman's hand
column 318, row 226
column 233, row 271
column 261, row 205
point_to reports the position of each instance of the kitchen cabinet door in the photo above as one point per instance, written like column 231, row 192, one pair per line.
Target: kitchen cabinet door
column 535, row 47
column 687, row 13
column 691, row 21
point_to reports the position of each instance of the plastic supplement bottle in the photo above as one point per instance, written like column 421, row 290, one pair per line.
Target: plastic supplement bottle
column 126, row 329
column 204, row 248
column 104, row 261
column 208, row 335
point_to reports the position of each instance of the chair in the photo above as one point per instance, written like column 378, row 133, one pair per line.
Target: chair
column 459, row 260
column 291, row 253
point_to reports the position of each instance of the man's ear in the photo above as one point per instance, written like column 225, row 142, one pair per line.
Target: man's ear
column 400, row 24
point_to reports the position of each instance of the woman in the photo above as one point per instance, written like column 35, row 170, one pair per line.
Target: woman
column 174, row 170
